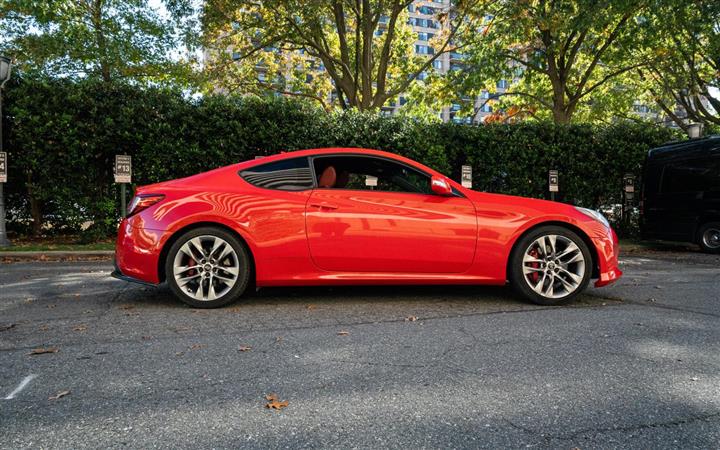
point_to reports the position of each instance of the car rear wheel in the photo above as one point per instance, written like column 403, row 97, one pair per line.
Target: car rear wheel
column 710, row 237
column 207, row 268
column 550, row 265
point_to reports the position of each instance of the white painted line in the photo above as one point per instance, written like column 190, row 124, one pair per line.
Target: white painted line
column 21, row 386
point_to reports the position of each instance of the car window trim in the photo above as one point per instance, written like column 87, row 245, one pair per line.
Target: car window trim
column 307, row 158
column 456, row 193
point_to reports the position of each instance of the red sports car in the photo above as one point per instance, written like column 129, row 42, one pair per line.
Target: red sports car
column 349, row 216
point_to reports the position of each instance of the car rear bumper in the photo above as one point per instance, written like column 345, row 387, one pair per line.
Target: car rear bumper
column 137, row 252
column 117, row 273
column 608, row 251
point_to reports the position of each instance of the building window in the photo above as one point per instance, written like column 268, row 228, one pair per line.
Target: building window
column 424, row 50
column 423, row 36
column 426, row 10
column 502, row 84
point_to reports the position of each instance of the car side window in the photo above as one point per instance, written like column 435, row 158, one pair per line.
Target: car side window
column 691, row 176
column 286, row 175
column 365, row 173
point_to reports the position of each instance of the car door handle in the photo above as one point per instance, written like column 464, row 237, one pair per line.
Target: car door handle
column 324, row 205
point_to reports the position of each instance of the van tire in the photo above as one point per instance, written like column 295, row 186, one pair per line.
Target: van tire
column 709, row 237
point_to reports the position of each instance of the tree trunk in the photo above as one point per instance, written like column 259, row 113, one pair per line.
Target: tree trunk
column 560, row 116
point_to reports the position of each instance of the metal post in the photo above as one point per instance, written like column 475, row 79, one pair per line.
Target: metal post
column 4, row 242
column 123, row 207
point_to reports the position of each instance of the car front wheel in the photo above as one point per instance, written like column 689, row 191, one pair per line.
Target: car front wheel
column 207, row 268
column 550, row 265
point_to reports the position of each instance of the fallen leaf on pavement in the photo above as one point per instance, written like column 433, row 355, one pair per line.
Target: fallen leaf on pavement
column 80, row 328
column 411, row 319
column 127, row 307
column 44, row 328
column 310, row 307
column 343, row 333
column 197, row 346
column 7, row 327
column 41, row 351
column 59, row 395
column 245, row 348
column 274, row 403
column 278, row 339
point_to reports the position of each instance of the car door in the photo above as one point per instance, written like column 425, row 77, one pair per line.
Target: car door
column 379, row 215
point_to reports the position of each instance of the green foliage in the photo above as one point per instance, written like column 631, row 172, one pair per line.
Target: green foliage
column 62, row 137
column 103, row 39
column 565, row 61
column 363, row 51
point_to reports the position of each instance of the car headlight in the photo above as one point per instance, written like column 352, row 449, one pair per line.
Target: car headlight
column 597, row 215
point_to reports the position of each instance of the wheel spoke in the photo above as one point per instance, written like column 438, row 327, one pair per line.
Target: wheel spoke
column 211, row 289
column 181, row 270
column 577, row 279
column 569, row 250
column 183, row 281
column 539, row 286
column 227, row 250
column 199, row 291
column 552, row 239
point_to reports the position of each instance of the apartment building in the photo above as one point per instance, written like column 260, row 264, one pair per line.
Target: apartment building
column 423, row 20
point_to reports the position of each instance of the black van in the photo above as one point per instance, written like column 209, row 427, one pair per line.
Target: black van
column 680, row 198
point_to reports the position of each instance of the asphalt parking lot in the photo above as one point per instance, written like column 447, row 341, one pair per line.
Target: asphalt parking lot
column 636, row 365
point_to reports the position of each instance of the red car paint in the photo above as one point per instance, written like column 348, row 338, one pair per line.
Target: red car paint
column 338, row 236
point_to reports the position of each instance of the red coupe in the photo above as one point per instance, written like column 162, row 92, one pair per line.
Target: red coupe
column 349, row 216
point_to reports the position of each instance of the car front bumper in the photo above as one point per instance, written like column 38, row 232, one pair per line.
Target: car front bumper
column 608, row 251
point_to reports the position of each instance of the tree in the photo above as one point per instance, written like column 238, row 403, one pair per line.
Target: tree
column 360, row 49
column 558, row 56
column 682, row 78
column 104, row 39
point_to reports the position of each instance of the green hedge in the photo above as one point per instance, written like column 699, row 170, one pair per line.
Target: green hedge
column 62, row 137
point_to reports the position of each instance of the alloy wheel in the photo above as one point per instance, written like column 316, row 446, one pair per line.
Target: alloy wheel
column 206, row 267
column 711, row 237
column 553, row 266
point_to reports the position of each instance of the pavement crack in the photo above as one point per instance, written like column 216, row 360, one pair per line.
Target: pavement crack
column 644, row 426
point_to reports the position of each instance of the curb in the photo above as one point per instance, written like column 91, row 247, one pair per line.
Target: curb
column 57, row 255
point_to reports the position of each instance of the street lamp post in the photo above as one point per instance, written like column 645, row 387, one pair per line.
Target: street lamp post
column 5, row 65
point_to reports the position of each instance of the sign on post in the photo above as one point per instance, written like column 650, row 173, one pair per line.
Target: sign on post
column 466, row 178
column 553, row 181
column 3, row 167
column 123, row 169
column 629, row 181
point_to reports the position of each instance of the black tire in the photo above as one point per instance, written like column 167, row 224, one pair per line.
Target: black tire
column 243, row 262
column 709, row 237
column 521, row 284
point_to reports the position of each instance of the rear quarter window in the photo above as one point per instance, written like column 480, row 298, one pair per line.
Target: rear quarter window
column 285, row 175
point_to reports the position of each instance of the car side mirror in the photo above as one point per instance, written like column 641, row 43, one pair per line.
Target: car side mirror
column 440, row 186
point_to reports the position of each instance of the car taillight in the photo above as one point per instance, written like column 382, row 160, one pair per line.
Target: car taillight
column 142, row 201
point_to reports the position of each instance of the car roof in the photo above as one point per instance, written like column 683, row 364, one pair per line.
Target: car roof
column 333, row 151
column 687, row 149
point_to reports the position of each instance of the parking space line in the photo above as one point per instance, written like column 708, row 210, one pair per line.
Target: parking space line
column 21, row 386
